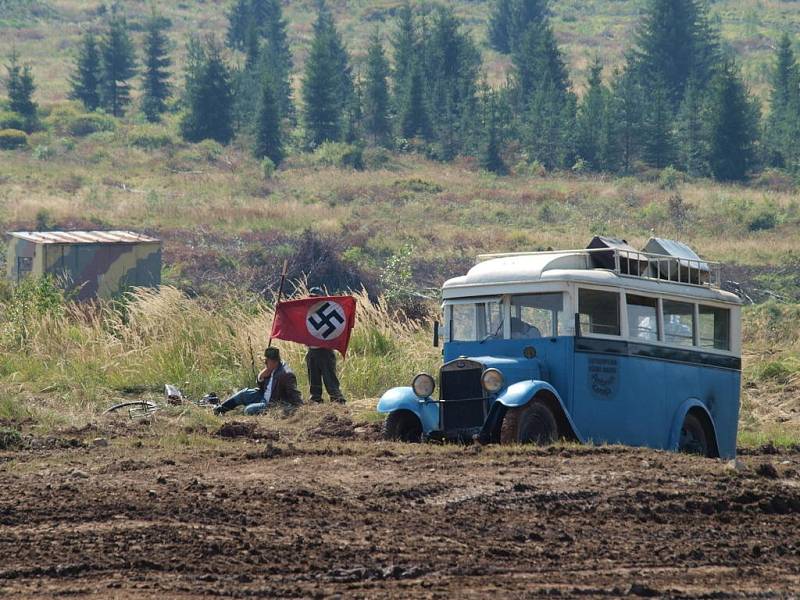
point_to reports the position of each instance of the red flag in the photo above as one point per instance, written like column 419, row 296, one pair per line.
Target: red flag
column 321, row 321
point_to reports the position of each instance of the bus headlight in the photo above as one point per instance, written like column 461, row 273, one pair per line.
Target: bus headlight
column 492, row 380
column 423, row 385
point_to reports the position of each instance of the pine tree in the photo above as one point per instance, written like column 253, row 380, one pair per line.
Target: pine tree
column 627, row 110
column 118, row 60
column 692, row 145
column 500, row 24
column 405, row 46
column 536, row 58
column 609, row 152
column 238, row 19
column 659, row 145
column 674, row 44
column 155, row 85
column 490, row 158
column 257, row 28
column 414, row 119
column 276, row 58
column 354, row 116
column 376, row 93
column 590, row 119
column 783, row 121
column 209, row 100
column 327, row 83
column 731, row 121
column 451, row 67
column 510, row 19
column 252, row 47
column 85, row 80
column 542, row 99
column 20, row 88
column 268, row 129
column 548, row 126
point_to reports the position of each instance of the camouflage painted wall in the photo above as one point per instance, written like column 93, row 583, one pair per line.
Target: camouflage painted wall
column 23, row 258
column 95, row 270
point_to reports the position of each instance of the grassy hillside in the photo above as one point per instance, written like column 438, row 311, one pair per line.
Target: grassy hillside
column 46, row 31
column 143, row 177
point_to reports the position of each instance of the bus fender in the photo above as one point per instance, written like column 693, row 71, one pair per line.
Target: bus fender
column 404, row 398
column 519, row 394
column 680, row 415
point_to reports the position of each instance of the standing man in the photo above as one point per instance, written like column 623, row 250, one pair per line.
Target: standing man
column 321, row 363
column 277, row 384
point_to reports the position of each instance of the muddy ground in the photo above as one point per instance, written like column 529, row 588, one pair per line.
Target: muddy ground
column 337, row 513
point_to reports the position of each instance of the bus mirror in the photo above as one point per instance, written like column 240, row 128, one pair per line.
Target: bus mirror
column 577, row 325
column 436, row 334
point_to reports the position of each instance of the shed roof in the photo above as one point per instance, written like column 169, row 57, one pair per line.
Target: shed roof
column 82, row 237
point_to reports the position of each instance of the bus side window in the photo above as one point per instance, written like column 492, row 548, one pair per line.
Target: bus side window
column 715, row 327
column 678, row 323
column 599, row 312
column 642, row 317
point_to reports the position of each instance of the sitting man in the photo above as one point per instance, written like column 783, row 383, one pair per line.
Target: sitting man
column 276, row 384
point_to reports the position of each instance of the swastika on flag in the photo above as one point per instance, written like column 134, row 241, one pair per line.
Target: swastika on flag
column 326, row 320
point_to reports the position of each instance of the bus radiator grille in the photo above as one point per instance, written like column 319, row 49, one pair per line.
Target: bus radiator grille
column 462, row 399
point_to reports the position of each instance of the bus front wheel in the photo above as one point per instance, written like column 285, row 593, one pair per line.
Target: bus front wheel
column 694, row 439
column 533, row 423
column 402, row 426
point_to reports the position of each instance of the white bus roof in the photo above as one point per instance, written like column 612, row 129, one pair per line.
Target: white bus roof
column 529, row 272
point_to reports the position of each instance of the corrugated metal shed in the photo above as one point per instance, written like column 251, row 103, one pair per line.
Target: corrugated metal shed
column 92, row 264
column 82, row 237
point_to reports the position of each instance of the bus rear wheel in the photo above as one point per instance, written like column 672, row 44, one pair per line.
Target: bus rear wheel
column 533, row 423
column 694, row 439
column 402, row 426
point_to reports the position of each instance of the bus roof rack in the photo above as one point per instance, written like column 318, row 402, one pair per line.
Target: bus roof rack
column 660, row 260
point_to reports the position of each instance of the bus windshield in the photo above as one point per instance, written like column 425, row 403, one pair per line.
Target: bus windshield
column 530, row 316
column 475, row 322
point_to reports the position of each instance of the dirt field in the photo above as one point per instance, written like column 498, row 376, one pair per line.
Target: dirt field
column 336, row 513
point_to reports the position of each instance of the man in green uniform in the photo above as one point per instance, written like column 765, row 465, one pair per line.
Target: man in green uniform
column 321, row 363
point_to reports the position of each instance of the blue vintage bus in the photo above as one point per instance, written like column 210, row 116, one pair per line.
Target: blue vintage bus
column 606, row 345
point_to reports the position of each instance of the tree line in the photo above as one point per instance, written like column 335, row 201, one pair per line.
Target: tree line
column 678, row 100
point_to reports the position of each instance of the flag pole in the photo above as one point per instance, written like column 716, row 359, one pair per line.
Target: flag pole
column 280, row 297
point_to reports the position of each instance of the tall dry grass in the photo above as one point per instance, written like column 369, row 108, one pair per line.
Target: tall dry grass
column 771, row 375
column 74, row 361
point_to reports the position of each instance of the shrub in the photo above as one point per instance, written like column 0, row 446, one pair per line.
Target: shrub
column 9, row 438
column 777, row 371
column 580, row 166
column 654, row 215
column 418, row 185
column 11, row 120
column 763, row 218
column 377, row 158
column 210, row 150
column 397, row 281
column 670, row 178
column 773, row 179
column 337, row 154
column 87, row 124
column 13, row 138
column 267, row 168
column 151, row 137
column 45, row 220
column 33, row 301
column 43, row 152
column 69, row 120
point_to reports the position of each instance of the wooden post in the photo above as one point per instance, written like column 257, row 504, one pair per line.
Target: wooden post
column 278, row 303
